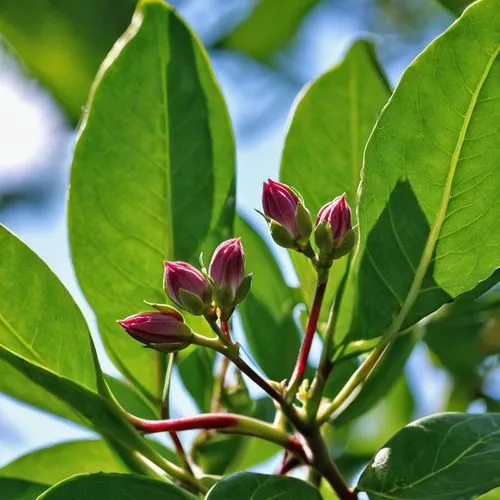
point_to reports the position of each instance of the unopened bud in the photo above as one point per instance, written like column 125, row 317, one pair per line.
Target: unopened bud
column 227, row 272
column 187, row 287
column 289, row 220
column 333, row 233
column 164, row 331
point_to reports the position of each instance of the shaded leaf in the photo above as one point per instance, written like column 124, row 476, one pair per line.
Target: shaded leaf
column 196, row 368
column 55, row 463
column 455, row 445
column 428, row 214
column 456, row 6
column 133, row 199
column 114, row 487
column 19, row 489
column 322, row 157
column 51, row 36
column 275, row 21
column 247, row 485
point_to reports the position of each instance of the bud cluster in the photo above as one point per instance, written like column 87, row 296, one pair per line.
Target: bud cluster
column 224, row 285
column 291, row 225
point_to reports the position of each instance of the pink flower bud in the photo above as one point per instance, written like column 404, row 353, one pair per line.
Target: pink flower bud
column 181, row 277
column 164, row 330
column 280, row 204
column 337, row 214
column 227, row 268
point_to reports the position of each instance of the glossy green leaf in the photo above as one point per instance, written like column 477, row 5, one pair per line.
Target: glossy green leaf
column 152, row 175
column 246, row 485
column 114, row 487
column 276, row 23
column 19, row 489
column 428, row 215
column 267, row 312
column 450, row 455
column 456, row 6
column 50, row 37
column 55, row 463
column 40, row 323
column 196, row 368
column 322, row 157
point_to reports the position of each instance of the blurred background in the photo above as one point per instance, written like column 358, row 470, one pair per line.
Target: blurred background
column 263, row 52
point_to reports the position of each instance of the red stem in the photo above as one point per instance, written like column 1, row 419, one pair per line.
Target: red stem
column 212, row 421
column 305, row 348
column 225, row 328
column 208, row 421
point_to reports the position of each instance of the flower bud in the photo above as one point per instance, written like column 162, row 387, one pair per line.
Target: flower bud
column 333, row 232
column 187, row 287
column 227, row 272
column 164, row 331
column 289, row 220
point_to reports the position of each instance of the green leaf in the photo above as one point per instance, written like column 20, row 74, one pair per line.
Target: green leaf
column 114, row 487
column 275, row 21
column 50, row 37
column 458, row 335
column 428, row 215
column 156, row 122
column 55, row 463
column 456, row 6
column 130, row 399
column 248, row 485
column 196, row 368
column 322, row 157
column 40, row 323
column 433, row 458
column 19, row 489
column 267, row 312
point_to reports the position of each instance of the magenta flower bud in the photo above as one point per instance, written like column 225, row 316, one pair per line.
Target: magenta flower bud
column 227, row 271
column 164, row 331
column 289, row 220
column 337, row 214
column 227, row 267
column 279, row 203
column 187, row 287
column 333, row 232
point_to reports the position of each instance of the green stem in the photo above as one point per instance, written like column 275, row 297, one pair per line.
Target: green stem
column 347, row 393
column 323, row 463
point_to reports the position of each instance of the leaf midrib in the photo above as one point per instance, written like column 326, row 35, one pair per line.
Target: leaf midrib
column 21, row 340
column 163, row 62
column 438, row 223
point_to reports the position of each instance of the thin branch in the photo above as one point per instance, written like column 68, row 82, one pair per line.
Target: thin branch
column 305, row 348
column 224, row 422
